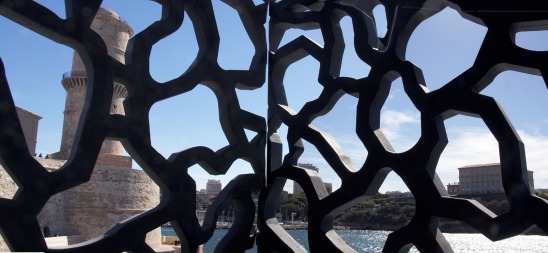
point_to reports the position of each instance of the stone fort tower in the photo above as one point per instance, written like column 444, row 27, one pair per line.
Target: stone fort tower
column 115, row 192
column 115, row 32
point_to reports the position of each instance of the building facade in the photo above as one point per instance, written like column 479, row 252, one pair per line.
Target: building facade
column 484, row 179
column 29, row 123
column 453, row 188
column 213, row 187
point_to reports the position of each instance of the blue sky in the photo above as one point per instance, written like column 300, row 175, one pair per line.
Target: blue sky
column 443, row 47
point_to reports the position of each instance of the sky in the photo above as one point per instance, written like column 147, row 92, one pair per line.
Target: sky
column 443, row 47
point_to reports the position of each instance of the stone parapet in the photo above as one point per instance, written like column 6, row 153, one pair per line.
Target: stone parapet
column 74, row 82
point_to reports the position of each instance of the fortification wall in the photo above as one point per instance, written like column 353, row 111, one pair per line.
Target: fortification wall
column 51, row 216
column 112, row 195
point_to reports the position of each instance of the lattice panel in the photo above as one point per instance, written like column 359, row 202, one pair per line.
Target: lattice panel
column 417, row 166
column 19, row 223
column 386, row 56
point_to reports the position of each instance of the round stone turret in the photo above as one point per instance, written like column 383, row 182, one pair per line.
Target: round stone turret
column 115, row 32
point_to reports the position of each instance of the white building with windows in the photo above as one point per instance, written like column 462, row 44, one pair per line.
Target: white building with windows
column 483, row 179
column 213, row 187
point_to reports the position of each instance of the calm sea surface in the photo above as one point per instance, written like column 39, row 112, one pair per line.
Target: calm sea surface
column 373, row 241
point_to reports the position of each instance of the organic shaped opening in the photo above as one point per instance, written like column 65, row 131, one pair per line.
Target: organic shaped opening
column 156, row 240
column 523, row 98
column 249, row 134
column 394, row 208
column 27, row 52
column 293, row 33
column 469, row 166
column 254, row 101
column 352, row 65
column 533, row 40
column 379, row 12
column 185, row 121
column 138, row 15
column 282, row 133
column 444, row 53
column 209, row 186
column 301, row 83
column 172, row 56
column 340, row 122
column 470, row 143
column 57, row 7
column 235, row 49
column 400, row 119
column 9, row 187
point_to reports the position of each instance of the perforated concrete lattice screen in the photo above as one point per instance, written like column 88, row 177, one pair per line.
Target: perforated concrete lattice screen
column 273, row 164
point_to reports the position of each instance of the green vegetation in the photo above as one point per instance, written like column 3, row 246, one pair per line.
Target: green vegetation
column 543, row 195
column 377, row 213
column 297, row 204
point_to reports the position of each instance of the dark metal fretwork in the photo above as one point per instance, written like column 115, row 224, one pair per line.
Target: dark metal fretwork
column 386, row 56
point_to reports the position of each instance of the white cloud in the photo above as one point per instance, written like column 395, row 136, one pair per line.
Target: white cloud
column 394, row 119
column 393, row 94
column 402, row 129
column 467, row 145
column 473, row 145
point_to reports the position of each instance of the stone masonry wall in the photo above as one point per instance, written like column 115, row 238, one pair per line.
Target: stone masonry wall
column 112, row 195
column 52, row 216
column 8, row 188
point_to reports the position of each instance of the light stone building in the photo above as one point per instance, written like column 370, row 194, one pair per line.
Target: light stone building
column 115, row 191
column 213, row 187
column 453, row 188
column 484, row 179
column 29, row 123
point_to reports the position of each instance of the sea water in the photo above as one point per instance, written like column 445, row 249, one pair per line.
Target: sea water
column 369, row 241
